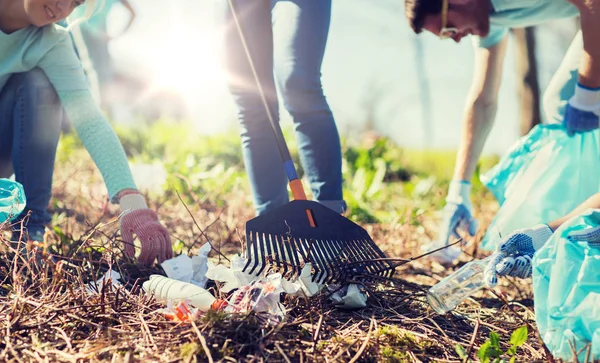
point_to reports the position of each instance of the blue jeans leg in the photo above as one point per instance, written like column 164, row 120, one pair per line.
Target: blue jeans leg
column 30, row 123
column 300, row 36
column 318, row 140
column 263, row 162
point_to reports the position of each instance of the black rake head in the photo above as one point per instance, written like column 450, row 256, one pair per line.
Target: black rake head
column 305, row 231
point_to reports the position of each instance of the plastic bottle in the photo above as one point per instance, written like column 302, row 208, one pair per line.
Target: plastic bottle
column 165, row 289
column 452, row 290
column 12, row 199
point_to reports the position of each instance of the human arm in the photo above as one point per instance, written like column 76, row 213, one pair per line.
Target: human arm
column 516, row 250
column 107, row 152
column 583, row 109
column 65, row 73
column 478, row 119
column 589, row 69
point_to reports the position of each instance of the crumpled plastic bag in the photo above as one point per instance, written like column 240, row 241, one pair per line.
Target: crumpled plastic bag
column 566, row 283
column 544, row 176
column 262, row 295
column 12, row 199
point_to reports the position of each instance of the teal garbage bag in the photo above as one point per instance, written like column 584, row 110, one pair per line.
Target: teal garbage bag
column 544, row 177
column 12, row 199
column 566, row 284
column 516, row 160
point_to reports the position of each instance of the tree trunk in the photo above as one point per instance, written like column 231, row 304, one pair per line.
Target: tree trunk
column 528, row 88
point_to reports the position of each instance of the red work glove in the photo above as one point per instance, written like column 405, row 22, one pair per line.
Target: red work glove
column 137, row 219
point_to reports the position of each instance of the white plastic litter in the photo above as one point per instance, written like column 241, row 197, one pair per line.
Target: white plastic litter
column 186, row 269
column 261, row 296
column 351, row 296
column 233, row 277
column 165, row 289
column 110, row 277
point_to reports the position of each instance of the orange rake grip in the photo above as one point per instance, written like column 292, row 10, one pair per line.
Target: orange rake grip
column 297, row 189
column 298, row 194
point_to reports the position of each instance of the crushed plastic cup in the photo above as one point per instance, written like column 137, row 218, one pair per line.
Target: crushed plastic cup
column 453, row 289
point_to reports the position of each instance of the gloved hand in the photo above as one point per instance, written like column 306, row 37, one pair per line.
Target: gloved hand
column 514, row 253
column 583, row 111
column 458, row 215
column 137, row 219
column 589, row 235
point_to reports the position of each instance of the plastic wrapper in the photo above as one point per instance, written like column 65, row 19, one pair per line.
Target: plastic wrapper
column 545, row 176
column 261, row 296
column 566, row 283
column 12, row 200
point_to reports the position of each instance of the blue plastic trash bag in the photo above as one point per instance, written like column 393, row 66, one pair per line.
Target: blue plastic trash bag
column 12, row 200
column 544, row 177
column 566, row 284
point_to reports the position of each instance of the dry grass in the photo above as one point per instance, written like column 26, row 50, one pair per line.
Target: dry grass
column 46, row 315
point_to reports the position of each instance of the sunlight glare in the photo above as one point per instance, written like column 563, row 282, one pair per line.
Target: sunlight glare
column 186, row 63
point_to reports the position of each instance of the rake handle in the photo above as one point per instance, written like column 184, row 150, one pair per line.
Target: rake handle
column 290, row 170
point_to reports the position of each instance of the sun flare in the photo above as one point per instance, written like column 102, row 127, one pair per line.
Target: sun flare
column 187, row 64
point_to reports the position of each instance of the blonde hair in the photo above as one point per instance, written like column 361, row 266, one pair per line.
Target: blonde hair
column 91, row 7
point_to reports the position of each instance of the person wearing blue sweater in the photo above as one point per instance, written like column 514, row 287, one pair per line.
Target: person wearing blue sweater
column 572, row 97
column 40, row 78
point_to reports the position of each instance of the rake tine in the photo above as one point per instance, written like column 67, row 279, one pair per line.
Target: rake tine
column 337, row 256
column 328, row 259
column 252, row 255
column 298, row 255
column 263, row 255
column 276, row 257
column 281, row 244
column 292, row 256
column 318, row 262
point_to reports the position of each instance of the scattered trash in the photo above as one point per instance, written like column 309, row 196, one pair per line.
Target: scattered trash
column 233, row 277
column 309, row 287
column 351, row 296
column 12, row 199
column 165, row 289
column 181, row 312
column 453, row 289
column 261, row 296
column 110, row 277
column 186, row 269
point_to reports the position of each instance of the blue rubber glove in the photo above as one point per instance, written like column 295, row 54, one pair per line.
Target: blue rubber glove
column 583, row 111
column 589, row 235
column 514, row 253
column 458, row 216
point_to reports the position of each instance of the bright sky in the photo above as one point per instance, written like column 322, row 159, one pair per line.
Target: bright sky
column 371, row 51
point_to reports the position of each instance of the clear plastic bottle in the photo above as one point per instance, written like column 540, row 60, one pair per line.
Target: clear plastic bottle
column 165, row 289
column 12, row 199
column 452, row 290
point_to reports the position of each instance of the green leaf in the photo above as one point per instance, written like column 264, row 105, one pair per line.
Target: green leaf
column 460, row 350
column 495, row 339
column 483, row 352
column 519, row 336
column 512, row 350
column 512, row 360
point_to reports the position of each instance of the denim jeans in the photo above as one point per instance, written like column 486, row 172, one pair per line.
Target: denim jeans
column 286, row 40
column 30, row 124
